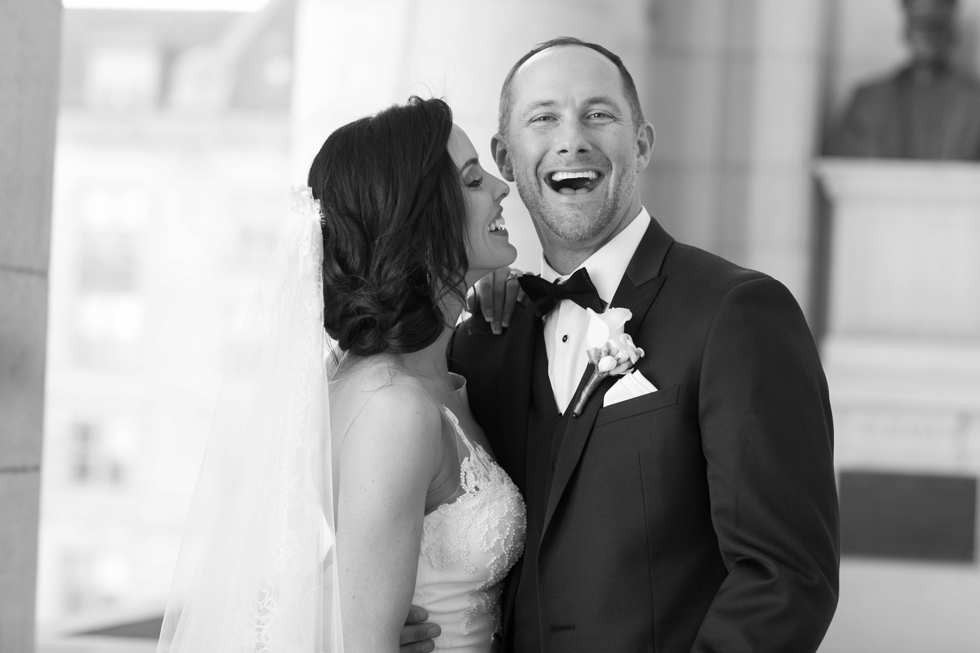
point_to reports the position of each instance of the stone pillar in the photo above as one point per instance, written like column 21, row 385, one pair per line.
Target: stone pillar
column 354, row 58
column 733, row 93
column 902, row 356
column 29, row 47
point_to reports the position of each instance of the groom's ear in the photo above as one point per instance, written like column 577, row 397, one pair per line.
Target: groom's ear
column 645, row 139
column 501, row 156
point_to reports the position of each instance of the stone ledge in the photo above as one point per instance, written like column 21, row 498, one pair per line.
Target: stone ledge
column 894, row 181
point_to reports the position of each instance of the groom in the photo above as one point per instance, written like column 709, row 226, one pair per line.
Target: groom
column 699, row 512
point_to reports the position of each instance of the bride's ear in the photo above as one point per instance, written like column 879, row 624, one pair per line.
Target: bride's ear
column 501, row 156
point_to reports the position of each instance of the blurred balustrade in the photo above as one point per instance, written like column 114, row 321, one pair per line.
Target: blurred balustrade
column 902, row 355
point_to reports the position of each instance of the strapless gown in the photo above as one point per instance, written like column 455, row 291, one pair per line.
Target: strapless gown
column 468, row 546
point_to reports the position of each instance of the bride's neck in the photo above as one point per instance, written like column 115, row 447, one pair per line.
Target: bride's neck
column 432, row 362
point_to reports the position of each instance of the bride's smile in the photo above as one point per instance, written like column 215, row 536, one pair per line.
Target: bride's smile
column 487, row 245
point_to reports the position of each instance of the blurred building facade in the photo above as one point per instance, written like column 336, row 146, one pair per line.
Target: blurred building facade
column 170, row 176
column 180, row 132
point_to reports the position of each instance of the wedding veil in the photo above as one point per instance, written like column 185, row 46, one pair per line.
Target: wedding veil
column 256, row 567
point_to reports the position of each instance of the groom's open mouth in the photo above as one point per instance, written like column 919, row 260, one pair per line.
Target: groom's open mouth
column 574, row 182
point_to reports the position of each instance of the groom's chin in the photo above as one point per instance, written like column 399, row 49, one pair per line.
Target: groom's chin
column 575, row 223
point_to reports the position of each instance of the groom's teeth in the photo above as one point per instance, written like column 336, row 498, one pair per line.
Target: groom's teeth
column 581, row 174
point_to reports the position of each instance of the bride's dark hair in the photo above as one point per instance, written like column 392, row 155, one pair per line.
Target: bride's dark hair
column 393, row 228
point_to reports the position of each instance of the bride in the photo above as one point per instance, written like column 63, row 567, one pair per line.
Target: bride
column 369, row 428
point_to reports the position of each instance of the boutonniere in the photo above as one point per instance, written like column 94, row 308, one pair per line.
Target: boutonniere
column 611, row 351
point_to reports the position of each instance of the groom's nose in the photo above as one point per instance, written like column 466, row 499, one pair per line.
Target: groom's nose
column 570, row 138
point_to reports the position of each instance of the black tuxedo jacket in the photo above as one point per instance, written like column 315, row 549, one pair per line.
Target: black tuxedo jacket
column 702, row 517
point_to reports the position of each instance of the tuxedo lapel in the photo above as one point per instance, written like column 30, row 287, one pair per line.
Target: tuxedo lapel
column 514, row 392
column 639, row 288
column 642, row 281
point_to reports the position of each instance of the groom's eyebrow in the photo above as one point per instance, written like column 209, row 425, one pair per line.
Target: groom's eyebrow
column 602, row 99
column 595, row 99
column 539, row 104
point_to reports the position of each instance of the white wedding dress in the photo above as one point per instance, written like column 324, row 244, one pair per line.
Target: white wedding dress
column 469, row 543
column 468, row 546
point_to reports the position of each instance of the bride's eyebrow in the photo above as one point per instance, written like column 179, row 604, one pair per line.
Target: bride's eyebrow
column 469, row 162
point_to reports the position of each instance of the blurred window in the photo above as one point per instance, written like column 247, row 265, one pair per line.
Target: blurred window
column 102, row 453
column 109, row 239
column 108, row 307
column 258, row 219
column 107, row 331
column 172, row 167
column 107, row 261
column 123, row 77
column 91, row 579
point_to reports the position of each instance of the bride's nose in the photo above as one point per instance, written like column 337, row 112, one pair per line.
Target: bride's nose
column 501, row 191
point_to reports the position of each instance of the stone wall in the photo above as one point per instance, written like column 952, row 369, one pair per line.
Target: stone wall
column 29, row 46
column 733, row 91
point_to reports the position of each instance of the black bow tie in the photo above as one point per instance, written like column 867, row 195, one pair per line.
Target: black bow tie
column 545, row 295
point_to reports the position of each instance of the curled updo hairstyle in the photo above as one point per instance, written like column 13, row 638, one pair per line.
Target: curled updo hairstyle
column 394, row 237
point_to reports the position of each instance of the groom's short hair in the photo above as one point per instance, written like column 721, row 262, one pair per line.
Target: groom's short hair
column 506, row 96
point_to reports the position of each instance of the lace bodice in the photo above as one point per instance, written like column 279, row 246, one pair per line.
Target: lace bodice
column 468, row 546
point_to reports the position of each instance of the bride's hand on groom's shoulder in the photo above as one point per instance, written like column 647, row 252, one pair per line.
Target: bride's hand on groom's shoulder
column 495, row 296
column 417, row 634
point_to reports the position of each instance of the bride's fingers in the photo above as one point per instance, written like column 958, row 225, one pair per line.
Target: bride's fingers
column 499, row 299
column 494, row 297
column 484, row 291
column 511, row 297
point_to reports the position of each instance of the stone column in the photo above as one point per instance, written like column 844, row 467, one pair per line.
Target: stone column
column 29, row 48
column 733, row 93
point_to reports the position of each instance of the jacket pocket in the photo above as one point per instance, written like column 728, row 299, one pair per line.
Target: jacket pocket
column 639, row 405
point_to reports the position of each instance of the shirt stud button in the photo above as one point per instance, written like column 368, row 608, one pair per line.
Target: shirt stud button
column 564, row 338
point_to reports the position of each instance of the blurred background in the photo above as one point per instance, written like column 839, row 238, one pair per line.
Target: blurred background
column 146, row 149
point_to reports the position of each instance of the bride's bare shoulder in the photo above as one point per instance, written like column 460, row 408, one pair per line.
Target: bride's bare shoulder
column 403, row 402
column 398, row 418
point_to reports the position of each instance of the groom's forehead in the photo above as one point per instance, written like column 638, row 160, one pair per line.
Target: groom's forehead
column 566, row 69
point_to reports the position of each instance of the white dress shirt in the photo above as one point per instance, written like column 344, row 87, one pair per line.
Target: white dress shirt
column 565, row 327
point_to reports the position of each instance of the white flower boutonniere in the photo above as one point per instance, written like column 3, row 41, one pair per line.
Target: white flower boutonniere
column 611, row 351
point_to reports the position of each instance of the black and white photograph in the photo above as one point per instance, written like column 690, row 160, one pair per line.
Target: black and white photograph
column 489, row 326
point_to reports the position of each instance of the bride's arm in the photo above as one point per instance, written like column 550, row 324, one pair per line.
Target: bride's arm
column 387, row 460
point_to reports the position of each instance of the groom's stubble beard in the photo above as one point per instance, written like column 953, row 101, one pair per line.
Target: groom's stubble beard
column 566, row 226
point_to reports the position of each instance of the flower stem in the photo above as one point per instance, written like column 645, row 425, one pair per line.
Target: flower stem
column 587, row 391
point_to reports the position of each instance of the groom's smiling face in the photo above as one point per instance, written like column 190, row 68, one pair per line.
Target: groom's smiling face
column 571, row 144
